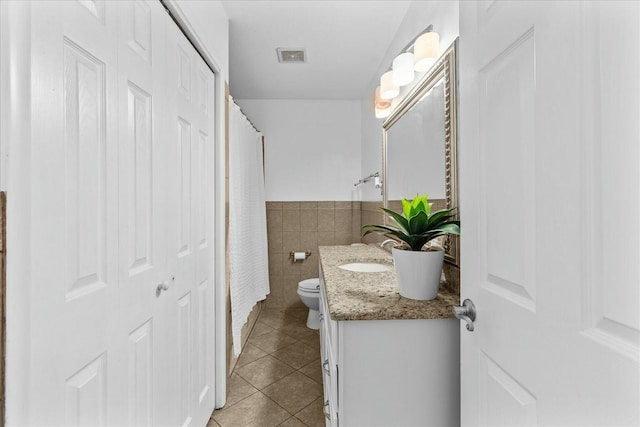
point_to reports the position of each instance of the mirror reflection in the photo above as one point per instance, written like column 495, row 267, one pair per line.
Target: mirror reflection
column 420, row 145
column 416, row 156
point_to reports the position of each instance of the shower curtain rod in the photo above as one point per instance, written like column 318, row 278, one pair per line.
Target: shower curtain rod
column 245, row 116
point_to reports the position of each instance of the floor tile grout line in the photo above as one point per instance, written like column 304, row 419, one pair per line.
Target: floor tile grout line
column 312, row 402
column 248, row 363
column 315, row 381
column 298, row 340
column 291, row 415
column 288, row 375
column 306, row 341
column 260, row 389
column 224, row 408
column 270, row 353
column 252, row 394
column 284, row 361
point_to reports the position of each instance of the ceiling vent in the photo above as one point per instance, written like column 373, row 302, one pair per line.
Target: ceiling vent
column 291, row 54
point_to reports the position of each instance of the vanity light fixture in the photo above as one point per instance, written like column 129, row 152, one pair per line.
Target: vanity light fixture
column 388, row 90
column 425, row 50
column 403, row 73
column 417, row 56
column 381, row 106
column 383, row 114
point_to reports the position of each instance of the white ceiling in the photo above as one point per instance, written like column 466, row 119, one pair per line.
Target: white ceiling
column 345, row 42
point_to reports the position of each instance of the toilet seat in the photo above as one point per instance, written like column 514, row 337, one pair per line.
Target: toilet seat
column 310, row 285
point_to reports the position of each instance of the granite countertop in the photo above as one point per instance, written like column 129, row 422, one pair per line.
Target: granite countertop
column 374, row 296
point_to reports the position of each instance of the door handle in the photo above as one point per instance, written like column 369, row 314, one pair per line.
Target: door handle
column 466, row 312
column 164, row 285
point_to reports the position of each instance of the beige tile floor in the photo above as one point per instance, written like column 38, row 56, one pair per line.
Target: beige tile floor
column 278, row 378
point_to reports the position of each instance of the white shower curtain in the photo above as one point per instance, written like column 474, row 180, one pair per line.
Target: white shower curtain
column 248, row 262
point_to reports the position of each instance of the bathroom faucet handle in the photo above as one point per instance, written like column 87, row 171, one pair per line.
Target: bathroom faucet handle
column 395, row 243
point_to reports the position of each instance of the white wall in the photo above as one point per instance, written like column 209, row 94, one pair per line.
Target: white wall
column 312, row 147
column 371, row 149
column 443, row 15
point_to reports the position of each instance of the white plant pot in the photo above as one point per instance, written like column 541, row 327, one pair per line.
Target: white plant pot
column 418, row 272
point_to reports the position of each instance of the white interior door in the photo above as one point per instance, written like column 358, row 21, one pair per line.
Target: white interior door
column 142, row 221
column 550, row 101
column 106, row 344
column 74, row 289
column 189, row 228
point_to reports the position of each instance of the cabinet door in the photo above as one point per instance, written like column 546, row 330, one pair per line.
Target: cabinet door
column 330, row 386
column 329, row 367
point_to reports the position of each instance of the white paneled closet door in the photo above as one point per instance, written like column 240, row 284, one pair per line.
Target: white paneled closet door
column 189, row 224
column 75, row 344
column 121, row 301
column 142, row 180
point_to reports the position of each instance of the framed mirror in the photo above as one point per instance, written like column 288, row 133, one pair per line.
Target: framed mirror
column 419, row 145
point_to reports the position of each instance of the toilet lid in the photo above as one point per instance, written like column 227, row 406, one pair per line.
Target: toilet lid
column 310, row 285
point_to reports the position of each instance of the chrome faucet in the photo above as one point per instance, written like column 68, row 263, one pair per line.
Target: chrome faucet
column 382, row 245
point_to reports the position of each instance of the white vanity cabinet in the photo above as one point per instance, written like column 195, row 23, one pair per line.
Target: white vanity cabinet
column 391, row 373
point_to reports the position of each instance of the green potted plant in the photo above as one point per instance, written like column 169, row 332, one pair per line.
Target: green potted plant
column 418, row 264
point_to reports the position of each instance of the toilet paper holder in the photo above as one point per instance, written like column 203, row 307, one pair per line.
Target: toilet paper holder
column 299, row 256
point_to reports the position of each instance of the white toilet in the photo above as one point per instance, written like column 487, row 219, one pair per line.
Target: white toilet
column 309, row 292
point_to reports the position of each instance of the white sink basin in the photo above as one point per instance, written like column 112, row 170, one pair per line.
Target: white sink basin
column 366, row 267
